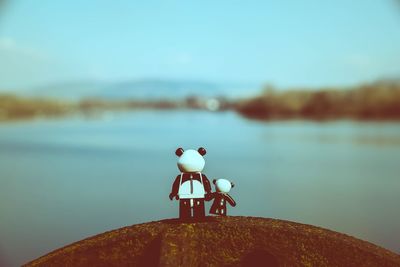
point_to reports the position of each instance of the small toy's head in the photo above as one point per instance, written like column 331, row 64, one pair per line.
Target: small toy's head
column 223, row 185
column 191, row 160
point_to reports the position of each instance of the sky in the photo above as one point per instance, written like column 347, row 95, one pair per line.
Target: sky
column 286, row 43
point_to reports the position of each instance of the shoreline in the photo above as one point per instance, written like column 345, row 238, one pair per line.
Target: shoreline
column 371, row 102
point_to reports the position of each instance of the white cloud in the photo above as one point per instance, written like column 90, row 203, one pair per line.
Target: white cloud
column 10, row 46
column 184, row 58
column 360, row 61
column 21, row 65
column 360, row 67
column 179, row 59
column 7, row 43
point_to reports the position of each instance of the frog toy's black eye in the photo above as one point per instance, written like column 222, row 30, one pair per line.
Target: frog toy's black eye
column 202, row 151
column 179, row 152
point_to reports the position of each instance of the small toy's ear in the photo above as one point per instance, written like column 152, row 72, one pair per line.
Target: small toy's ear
column 233, row 185
column 214, row 181
column 202, row 151
column 179, row 152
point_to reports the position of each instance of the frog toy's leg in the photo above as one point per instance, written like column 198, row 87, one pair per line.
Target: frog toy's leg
column 184, row 209
column 198, row 208
column 223, row 211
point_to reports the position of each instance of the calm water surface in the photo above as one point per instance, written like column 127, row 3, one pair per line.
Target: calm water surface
column 64, row 180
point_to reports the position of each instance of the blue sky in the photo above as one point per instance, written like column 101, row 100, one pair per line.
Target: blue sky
column 286, row 43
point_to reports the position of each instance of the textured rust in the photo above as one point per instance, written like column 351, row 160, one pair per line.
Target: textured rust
column 220, row 241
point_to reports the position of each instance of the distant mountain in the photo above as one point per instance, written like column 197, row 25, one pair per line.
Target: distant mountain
column 69, row 90
column 150, row 89
column 147, row 89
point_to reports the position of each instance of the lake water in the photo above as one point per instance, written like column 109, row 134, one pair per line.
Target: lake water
column 64, row 180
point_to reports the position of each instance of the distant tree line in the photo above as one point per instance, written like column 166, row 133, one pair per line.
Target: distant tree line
column 377, row 101
column 367, row 102
column 15, row 108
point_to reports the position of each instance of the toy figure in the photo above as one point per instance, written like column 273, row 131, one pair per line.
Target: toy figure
column 191, row 186
column 221, row 196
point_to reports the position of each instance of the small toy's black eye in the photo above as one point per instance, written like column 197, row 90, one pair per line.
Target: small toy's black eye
column 202, row 151
column 214, row 181
column 179, row 152
column 233, row 185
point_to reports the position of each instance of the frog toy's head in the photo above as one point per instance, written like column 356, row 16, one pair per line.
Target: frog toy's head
column 191, row 160
column 223, row 185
